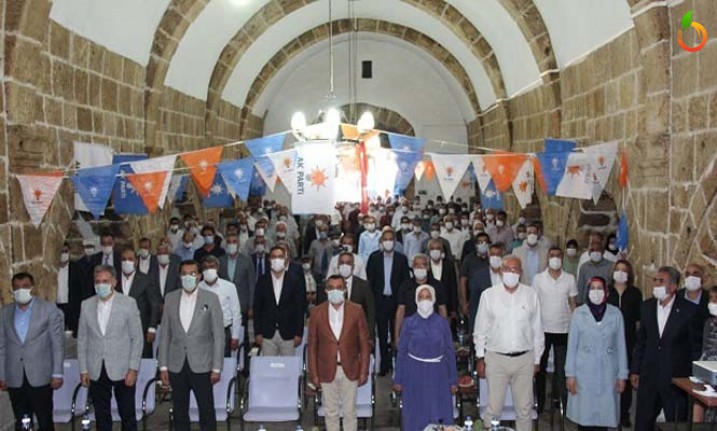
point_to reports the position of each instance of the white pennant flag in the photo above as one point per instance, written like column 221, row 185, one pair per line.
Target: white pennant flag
column 603, row 157
column 37, row 193
column 174, row 186
column 577, row 180
column 449, row 171
column 314, row 179
column 420, row 169
column 284, row 162
column 157, row 164
column 482, row 173
column 524, row 183
column 383, row 171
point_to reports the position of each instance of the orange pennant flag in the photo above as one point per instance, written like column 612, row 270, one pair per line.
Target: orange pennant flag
column 503, row 167
column 622, row 177
column 202, row 166
column 149, row 187
column 430, row 172
column 350, row 132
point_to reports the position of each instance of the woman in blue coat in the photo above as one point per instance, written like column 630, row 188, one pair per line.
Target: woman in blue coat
column 596, row 363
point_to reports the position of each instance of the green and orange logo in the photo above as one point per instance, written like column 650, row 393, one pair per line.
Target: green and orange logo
column 688, row 22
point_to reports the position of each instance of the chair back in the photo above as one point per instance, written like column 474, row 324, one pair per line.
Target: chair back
column 274, row 381
column 62, row 398
column 222, row 399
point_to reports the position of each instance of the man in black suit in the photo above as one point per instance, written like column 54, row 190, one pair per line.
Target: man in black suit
column 442, row 268
column 260, row 259
column 165, row 273
column 72, row 287
column 106, row 256
column 386, row 265
column 279, row 304
column 239, row 269
column 139, row 286
column 146, row 258
column 694, row 291
column 668, row 340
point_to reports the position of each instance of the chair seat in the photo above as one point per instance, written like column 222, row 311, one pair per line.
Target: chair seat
column 269, row 414
column 509, row 413
column 61, row 416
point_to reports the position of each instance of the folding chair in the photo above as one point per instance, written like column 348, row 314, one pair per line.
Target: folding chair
column 274, row 390
column 509, row 413
column 365, row 401
column 224, row 394
column 70, row 400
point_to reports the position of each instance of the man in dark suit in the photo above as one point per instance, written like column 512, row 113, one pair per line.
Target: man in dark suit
column 279, row 304
column 139, row 286
column 106, row 256
column 146, row 259
column 239, row 269
column 260, row 259
column 72, row 277
column 694, row 289
column 442, row 268
column 668, row 340
column 165, row 273
column 475, row 276
column 386, row 270
column 211, row 245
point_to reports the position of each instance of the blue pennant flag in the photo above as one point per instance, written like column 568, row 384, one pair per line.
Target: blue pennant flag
column 219, row 196
column 623, row 233
column 559, row 145
column 125, row 198
column 406, row 162
column 406, row 143
column 258, row 186
column 491, row 198
column 260, row 147
column 182, row 188
column 94, row 185
column 552, row 168
column 238, row 175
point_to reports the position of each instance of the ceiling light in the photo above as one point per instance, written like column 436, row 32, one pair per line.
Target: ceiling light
column 366, row 122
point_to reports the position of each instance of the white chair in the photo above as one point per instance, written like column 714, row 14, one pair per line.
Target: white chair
column 509, row 413
column 274, row 390
column 299, row 350
column 224, row 394
column 365, row 401
column 70, row 400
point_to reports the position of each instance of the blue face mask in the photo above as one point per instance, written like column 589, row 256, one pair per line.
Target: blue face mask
column 103, row 290
column 335, row 296
column 483, row 248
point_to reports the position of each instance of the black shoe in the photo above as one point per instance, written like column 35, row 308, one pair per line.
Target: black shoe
column 382, row 373
column 625, row 423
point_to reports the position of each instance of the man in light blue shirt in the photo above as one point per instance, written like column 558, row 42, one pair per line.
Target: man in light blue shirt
column 185, row 249
column 368, row 241
column 413, row 241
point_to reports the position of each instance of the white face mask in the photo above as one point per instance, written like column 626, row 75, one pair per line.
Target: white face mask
column 259, row 248
column 103, row 290
column 335, row 296
column 521, row 235
column 259, row 232
column 163, row 259
column 482, row 249
column 370, row 227
column 435, row 254
column 495, row 261
column 489, row 216
column 188, row 245
column 64, row 257
column 107, row 249
column 232, row 248
column 713, row 309
column 306, row 266
column 388, row 245
column 417, row 229
column 510, row 279
column 424, row 308
column 281, row 234
column 345, row 270
column 420, row 273
column 619, row 276
column 349, row 248
column 659, row 292
column 499, row 223
column 435, row 234
column 89, row 251
column 532, row 239
column 521, row 220
column 449, row 225
column 464, row 222
column 596, row 296
column 209, row 239
column 210, row 275
column 22, row 296
column 189, row 283
column 572, row 252
column 693, row 283
column 595, row 256
column 277, row 265
column 127, row 267
column 143, row 253
column 555, row 263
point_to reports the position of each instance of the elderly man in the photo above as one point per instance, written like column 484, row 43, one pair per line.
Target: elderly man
column 407, row 294
column 228, row 298
column 693, row 289
column 348, row 244
column 533, row 255
column 509, row 354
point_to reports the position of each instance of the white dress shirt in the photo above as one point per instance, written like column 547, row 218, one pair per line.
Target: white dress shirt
column 278, row 284
column 455, row 238
column 437, row 269
column 495, row 278
column 509, row 322
column 127, row 282
column 104, row 308
column 310, row 282
column 336, row 320
column 144, row 265
column 554, row 295
column 349, row 284
column 187, row 303
column 229, row 299
column 663, row 313
column 175, row 238
column 63, row 286
column 163, row 270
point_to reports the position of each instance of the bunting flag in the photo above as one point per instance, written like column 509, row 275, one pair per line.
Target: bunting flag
column 623, row 177
column 149, row 187
column 406, row 162
column 314, row 179
column 258, row 186
column 481, row 172
column 602, row 159
column 94, row 185
column 577, row 180
column 269, row 180
column 524, row 184
column 38, row 192
column 157, row 164
column 491, row 197
column 420, row 169
column 450, row 169
column 283, row 162
column 559, row 145
column 219, row 196
column 125, row 198
column 202, row 167
column 384, row 171
column 503, row 168
column 623, row 233
column 430, row 170
column 260, row 148
column 350, row 132
column 406, row 143
column 238, row 175
column 177, row 188
column 552, row 168
column 88, row 156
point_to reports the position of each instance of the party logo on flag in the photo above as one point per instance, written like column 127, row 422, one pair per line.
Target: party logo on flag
column 125, row 198
column 149, row 186
column 94, row 185
column 491, row 198
column 38, row 191
column 158, row 164
column 238, row 176
column 317, row 178
column 218, row 196
column 504, row 168
column 202, row 167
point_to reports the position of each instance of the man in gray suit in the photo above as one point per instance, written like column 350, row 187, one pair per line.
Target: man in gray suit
column 109, row 349
column 532, row 254
column 239, row 269
column 32, row 351
column 191, row 348
column 165, row 274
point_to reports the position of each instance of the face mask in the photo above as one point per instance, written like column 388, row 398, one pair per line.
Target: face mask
column 483, row 248
column 232, row 248
column 210, row 275
column 370, row 227
column 107, row 250
column 323, row 235
column 495, row 261
column 404, row 210
column 277, row 265
column 260, row 248
column 596, row 296
column 435, row 234
column 336, row 243
column 195, row 230
column 89, row 251
column 595, row 256
column 174, row 228
column 499, row 223
column 713, row 308
column 163, row 259
column 521, row 235
column 521, row 220
column 335, row 296
column 281, row 234
column 572, row 252
column 188, row 245
column 555, row 263
column 348, row 248
column 64, row 257
column 22, row 296
column 441, row 211
column 612, row 247
column 209, row 239
column 259, row 231
column 532, row 239
column 405, row 226
column 510, row 279
column 435, row 254
column 417, row 229
column 306, row 266
column 659, row 292
column 388, row 245
column 103, row 290
column 420, row 273
column 693, row 283
column 489, row 216
column 127, row 267
column 619, row 276
column 449, row 225
column 424, row 308
column 464, row 222
column 283, row 218
column 319, row 223
column 189, row 283
column 345, row 271
column 143, row 253
column 426, row 216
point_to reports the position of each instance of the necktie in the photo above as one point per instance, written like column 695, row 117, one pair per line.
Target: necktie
column 325, row 262
column 107, row 259
column 261, row 264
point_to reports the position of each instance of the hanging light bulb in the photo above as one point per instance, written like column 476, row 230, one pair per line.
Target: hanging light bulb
column 366, row 122
column 332, row 121
column 298, row 121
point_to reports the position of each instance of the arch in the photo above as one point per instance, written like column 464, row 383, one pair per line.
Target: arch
column 385, row 119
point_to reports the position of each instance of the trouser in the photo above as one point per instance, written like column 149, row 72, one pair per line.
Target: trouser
column 517, row 373
column 626, row 401
column 651, row 398
column 337, row 394
column 64, row 308
column 582, row 428
column 30, row 400
column 559, row 344
column 228, row 341
column 277, row 346
column 385, row 314
column 101, row 394
column 199, row 383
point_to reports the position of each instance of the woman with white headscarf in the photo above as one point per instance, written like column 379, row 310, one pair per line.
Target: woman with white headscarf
column 426, row 365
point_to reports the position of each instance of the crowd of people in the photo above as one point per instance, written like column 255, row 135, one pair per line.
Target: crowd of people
column 398, row 282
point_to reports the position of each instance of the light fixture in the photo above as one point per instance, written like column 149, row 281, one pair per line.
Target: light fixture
column 298, row 122
column 366, row 122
